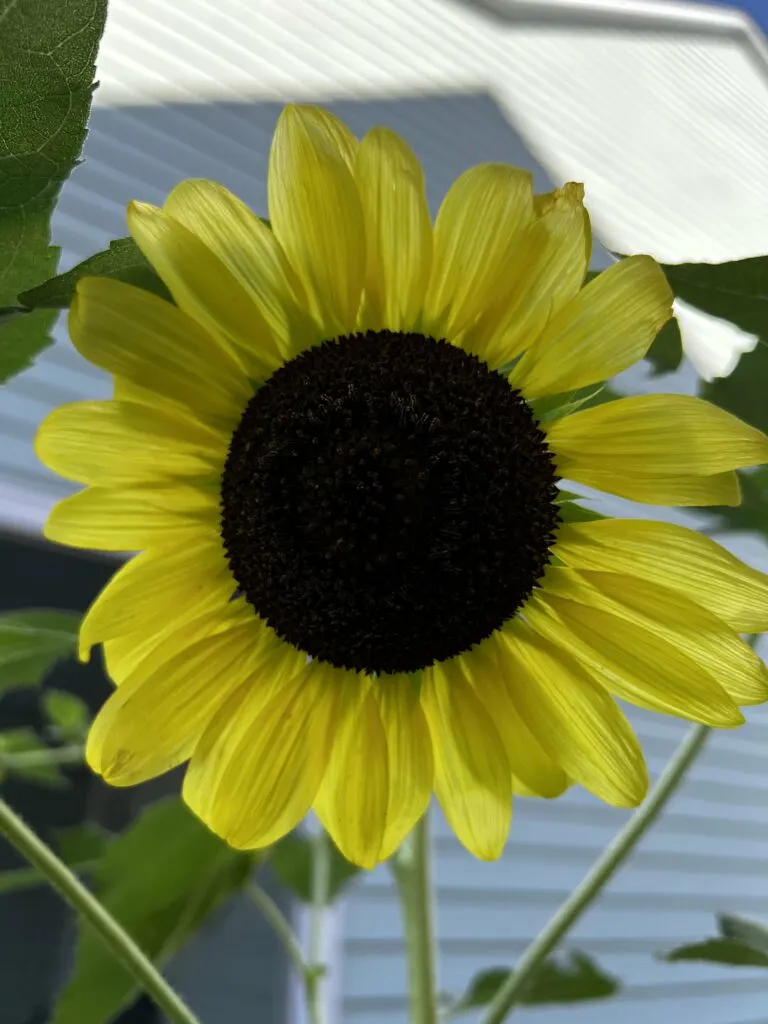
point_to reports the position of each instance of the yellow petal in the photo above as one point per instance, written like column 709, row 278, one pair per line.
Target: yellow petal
column 548, row 272
column 605, row 328
column 398, row 231
column 653, row 448
column 170, row 636
column 409, row 754
column 317, row 215
column 251, row 253
column 574, row 719
column 473, row 780
column 675, row 557
column 661, row 433
column 159, row 587
column 133, row 518
column 112, row 443
column 476, row 241
column 203, row 287
column 257, row 768
column 354, row 795
column 151, row 343
column 679, row 639
column 493, row 680
column 152, row 722
column 633, row 665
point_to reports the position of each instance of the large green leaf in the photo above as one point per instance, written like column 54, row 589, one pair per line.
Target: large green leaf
column 574, row 979
column 123, row 261
column 742, row 943
column 160, row 879
column 47, row 52
column 31, row 641
column 736, row 291
column 291, row 859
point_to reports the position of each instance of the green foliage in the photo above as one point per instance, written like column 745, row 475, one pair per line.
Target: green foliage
column 574, row 979
column 23, row 755
column 31, row 641
column 47, row 53
column 81, row 843
column 160, row 880
column 742, row 943
column 123, row 261
column 666, row 351
column 291, row 859
column 69, row 715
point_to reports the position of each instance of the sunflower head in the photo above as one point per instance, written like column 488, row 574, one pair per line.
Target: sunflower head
column 358, row 580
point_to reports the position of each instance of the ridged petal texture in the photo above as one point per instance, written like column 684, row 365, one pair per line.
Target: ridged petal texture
column 644, row 611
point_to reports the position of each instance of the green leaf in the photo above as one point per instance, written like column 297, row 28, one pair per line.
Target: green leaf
column 743, row 943
column 122, row 261
column 741, row 929
column 47, row 53
column 85, row 842
column 735, row 291
column 31, row 641
column 719, row 951
column 161, row 879
column 576, row 978
column 666, row 352
column 68, row 714
column 291, row 859
column 39, row 767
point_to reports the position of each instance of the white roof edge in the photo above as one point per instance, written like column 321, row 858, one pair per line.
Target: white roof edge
column 648, row 15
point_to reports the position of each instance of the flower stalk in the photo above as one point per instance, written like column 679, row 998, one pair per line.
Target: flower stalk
column 606, row 865
column 114, row 936
column 412, row 870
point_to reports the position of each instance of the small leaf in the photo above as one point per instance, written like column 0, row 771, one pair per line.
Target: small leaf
column 122, row 261
column 555, row 407
column 31, row 641
column 741, row 929
column 572, row 511
column 160, row 880
column 291, row 859
column 67, row 713
column 47, row 54
column 719, row 951
column 15, row 744
column 576, row 979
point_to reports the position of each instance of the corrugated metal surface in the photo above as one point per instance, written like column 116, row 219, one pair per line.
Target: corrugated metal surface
column 707, row 854
column 191, row 89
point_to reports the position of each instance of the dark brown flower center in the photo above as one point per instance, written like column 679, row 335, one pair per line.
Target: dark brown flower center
column 388, row 501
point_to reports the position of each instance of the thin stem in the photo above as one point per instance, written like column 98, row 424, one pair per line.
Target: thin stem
column 26, row 759
column 412, row 870
column 321, row 880
column 85, row 903
column 280, row 926
column 601, row 871
column 31, row 878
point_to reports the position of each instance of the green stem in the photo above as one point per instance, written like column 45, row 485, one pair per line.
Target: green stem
column 601, row 871
column 31, row 878
column 321, row 881
column 412, row 870
column 281, row 926
column 85, row 903
column 26, row 759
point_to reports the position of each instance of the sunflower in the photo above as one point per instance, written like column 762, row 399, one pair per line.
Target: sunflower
column 338, row 453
